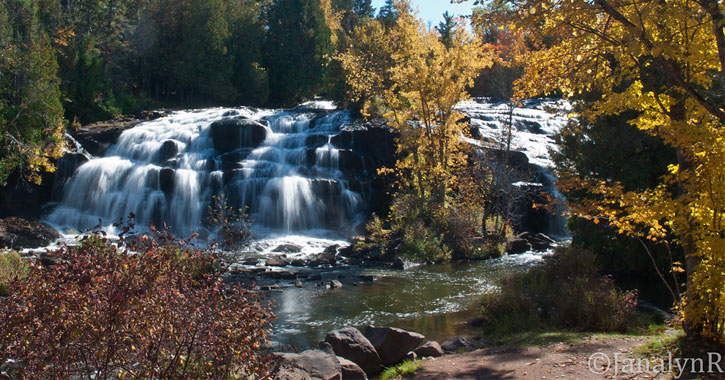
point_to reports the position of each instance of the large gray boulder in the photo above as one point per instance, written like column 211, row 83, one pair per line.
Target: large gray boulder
column 316, row 364
column 350, row 344
column 350, row 370
column 391, row 343
column 429, row 349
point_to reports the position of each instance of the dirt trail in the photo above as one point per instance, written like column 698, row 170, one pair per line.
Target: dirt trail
column 557, row 361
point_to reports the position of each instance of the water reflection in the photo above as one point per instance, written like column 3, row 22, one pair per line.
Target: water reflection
column 435, row 300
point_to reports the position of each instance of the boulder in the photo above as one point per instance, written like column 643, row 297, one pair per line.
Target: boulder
column 456, row 343
column 316, row 364
column 516, row 246
column 350, row 370
column 169, row 149
column 392, row 343
column 350, row 344
column 287, row 248
column 334, row 284
column 276, row 261
column 411, row 356
column 19, row 233
column 398, row 264
column 230, row 134
column 328, row 256
column 429, row 349
column 166, row 180
column 540, row 242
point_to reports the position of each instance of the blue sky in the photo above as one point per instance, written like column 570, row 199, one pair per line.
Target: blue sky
column 432, row 10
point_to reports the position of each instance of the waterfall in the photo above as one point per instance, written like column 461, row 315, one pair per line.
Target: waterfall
column 281, row 165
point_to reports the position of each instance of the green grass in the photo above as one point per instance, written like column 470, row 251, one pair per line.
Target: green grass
column 404, row 369
column 540, row 335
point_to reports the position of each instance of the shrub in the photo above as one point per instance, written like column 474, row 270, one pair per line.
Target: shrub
column 231, row 226
column 566, row 291
column 102, row 312
column 12, row 267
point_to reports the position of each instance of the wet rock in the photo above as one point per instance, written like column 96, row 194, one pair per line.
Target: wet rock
column 288, row 248
column 334, row 284
column 456, row 343
column 168, row 150
column 298, row 284
column 315, row 364
column 350, row 344
column 250, row 261
column 517, row 245
column 398, row 264
column 429, row 349
column 328, row 256
column 392, row 343
column 350, row 370
column 540, row 242
column 166, row 180
column 366, row 277
column 231, row 134
column 270, row 287
column 276, row 261
column 297, row 263
column 19, row 233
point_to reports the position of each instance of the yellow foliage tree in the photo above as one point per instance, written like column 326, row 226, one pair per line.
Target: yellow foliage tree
column 664, row 60
column 415, row 81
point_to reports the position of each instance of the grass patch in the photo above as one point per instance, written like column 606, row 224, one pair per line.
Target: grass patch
column 404, row 369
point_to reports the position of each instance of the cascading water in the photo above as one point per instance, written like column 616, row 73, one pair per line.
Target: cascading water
column 280, row 165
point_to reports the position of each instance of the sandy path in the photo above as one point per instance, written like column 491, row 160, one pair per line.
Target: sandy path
column 557, row 361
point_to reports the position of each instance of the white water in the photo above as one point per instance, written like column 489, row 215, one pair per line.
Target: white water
column 167, row 170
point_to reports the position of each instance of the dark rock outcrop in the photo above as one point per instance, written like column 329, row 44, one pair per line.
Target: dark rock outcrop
column 19, row 233
column 231, row 134
column 517, row 245
column 276, row 261
column 350, row 344
column 392, row 344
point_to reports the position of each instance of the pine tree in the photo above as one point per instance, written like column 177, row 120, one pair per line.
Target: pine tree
column 298, row 49
column 31, row 115
column 447, row 29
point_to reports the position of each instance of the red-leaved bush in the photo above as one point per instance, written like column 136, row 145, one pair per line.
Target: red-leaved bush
column 104, row 312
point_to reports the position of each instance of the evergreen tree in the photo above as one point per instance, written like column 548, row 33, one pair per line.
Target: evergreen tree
column 31, row 115
column 388, row 13
column 298, row 49
column 363, row 9
column 447, row 29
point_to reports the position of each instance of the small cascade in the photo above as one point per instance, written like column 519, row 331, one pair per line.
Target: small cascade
column 279, row 165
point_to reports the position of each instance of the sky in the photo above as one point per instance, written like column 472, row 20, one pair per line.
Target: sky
column 432, row 10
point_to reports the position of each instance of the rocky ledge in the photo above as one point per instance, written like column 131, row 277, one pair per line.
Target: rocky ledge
column 19, row 233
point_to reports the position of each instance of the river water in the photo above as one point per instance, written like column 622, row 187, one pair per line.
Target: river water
column 434, row 300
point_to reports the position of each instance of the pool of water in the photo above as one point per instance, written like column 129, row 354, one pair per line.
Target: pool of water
column 435, row 300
